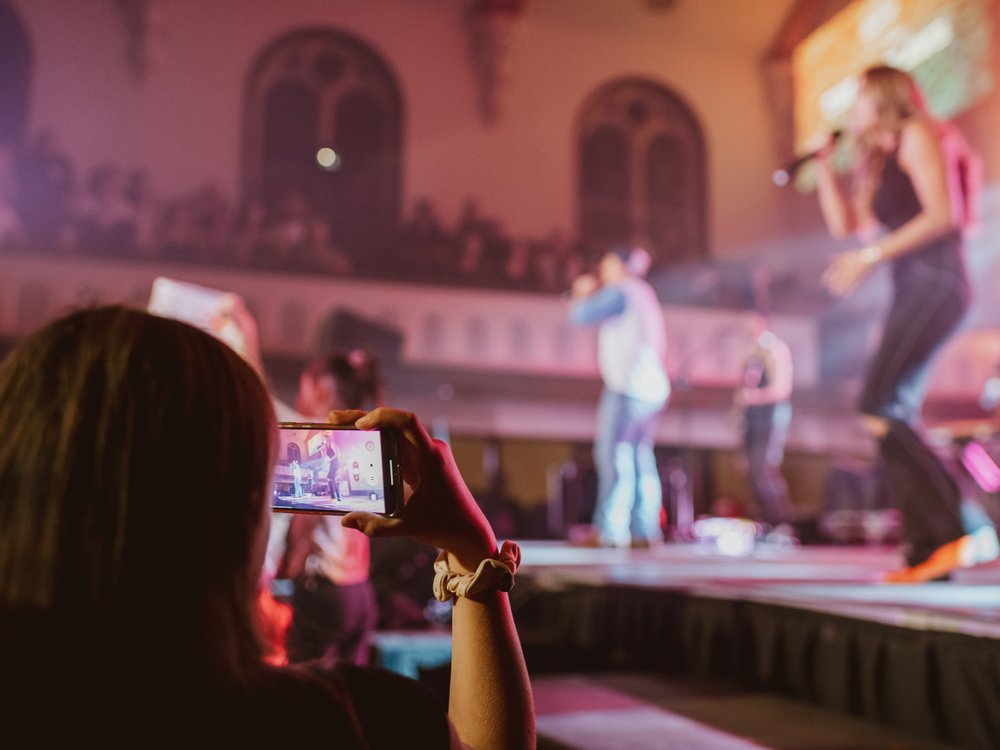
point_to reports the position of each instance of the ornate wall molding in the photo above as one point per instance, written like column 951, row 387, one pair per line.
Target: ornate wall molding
column 488, row 26
column 145, row 23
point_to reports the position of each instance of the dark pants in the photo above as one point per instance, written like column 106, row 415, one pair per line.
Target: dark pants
column 764, row 435
column 330, row 621
column 931, row 297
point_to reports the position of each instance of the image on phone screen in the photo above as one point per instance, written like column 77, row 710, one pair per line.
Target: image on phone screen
column 324, row 469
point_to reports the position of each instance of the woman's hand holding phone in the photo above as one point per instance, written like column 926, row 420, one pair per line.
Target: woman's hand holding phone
column 486, row 654
column 439, row 508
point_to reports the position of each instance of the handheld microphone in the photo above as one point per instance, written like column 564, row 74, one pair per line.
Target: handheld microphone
column 783, row 176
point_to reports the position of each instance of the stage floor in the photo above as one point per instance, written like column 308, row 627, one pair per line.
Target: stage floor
column 844, row 581
column 784, row 648
column 644, row 712
column 811, row 624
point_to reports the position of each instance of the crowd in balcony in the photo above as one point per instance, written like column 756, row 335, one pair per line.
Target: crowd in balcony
column 48, row 206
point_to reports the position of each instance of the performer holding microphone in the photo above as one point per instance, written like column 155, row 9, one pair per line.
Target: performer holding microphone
column 632, row 346
column 911, row 198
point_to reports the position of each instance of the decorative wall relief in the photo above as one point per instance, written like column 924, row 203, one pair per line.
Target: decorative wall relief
column 488, row 27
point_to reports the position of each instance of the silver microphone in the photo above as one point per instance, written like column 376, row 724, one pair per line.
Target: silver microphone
column 785, row 175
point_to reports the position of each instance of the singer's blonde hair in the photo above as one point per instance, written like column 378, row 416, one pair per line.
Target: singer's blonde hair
column 896, row 96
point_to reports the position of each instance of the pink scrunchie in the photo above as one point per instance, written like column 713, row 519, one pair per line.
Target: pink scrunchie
column 492, row 573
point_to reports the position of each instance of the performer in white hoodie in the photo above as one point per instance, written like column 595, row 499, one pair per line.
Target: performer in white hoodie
column 632, row 347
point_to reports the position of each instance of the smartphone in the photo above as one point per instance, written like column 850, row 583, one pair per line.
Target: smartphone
column 324, row 468
column 203, row 307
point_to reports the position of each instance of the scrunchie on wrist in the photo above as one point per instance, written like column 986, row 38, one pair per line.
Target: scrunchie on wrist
column 492, row 573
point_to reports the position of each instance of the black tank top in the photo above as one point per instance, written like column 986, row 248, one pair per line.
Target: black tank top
column 895, row 202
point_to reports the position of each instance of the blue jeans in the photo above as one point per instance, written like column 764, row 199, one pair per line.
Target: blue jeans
column 629, row 494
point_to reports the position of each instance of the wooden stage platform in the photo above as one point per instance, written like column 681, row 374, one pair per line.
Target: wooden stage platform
column 810, row 623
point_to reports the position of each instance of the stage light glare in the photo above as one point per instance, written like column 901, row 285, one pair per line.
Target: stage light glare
column 328, row 158
column 734, row 537
column 989, row 398
column 734, row 544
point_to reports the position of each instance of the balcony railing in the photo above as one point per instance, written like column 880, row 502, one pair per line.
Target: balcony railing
column 487, row 336
column 471, row 329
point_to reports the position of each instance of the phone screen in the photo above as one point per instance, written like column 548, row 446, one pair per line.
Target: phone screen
column 327, row 469
column 205, row 308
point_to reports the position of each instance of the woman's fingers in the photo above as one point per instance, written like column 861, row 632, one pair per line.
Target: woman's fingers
column 405, row 422
column 345, row 416
column 370, row 524
column 416, row 447
column 440, row 511
column 410, row 457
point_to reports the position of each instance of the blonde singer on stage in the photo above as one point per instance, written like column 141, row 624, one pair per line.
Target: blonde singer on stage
column 910, row 199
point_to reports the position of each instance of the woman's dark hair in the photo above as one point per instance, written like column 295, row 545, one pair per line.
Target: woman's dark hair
column 356, row 377
column 133, row 467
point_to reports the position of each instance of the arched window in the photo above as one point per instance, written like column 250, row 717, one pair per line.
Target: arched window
column 316, row 89
column 15, row 74
column 641, row 177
